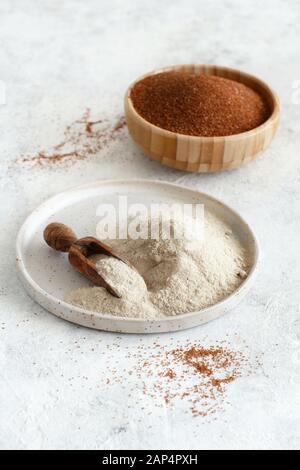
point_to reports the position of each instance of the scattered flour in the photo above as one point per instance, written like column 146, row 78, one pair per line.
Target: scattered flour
column 173, row 275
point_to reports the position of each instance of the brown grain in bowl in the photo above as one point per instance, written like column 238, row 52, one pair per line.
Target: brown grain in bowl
column 203, row 153
column 199, row 105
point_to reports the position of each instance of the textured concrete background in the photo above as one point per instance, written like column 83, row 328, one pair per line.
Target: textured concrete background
column 58, row 58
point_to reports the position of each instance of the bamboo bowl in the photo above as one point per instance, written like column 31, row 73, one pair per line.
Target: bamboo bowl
column 204, row 154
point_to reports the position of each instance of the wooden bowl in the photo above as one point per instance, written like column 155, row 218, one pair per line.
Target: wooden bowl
column 204, row 154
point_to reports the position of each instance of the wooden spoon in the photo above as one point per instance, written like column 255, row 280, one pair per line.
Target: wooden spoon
column 62, row 238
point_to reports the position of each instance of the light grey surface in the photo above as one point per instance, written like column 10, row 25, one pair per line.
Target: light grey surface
column 58, row 58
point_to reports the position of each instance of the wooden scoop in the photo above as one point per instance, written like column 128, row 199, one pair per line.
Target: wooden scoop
column 62, row 238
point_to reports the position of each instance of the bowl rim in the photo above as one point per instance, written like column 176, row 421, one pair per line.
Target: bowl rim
column 272, row 94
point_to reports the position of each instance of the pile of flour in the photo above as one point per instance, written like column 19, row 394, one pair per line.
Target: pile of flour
column 172, row 276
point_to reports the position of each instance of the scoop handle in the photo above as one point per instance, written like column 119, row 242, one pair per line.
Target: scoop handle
column 59, row 236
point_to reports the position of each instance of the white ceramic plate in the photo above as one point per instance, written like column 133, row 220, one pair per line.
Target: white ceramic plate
column 47, row 276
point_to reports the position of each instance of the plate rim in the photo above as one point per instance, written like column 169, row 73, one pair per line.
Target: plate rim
column 106, row 316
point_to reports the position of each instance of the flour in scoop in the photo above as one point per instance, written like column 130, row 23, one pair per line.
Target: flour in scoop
column 127, row 282
column 172, row 276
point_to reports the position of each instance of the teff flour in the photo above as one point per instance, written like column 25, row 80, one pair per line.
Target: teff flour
column 175, row 275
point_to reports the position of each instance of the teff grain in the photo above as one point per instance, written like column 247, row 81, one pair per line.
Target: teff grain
column 198, row 105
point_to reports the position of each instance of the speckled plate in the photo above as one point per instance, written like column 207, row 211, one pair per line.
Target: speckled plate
column 47, row 276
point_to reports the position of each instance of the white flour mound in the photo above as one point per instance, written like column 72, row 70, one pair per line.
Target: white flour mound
column 174, row 275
